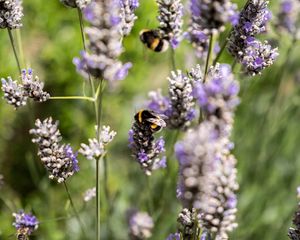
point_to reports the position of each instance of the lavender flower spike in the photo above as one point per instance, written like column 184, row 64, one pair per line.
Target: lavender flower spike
column 218, row 205
column 145, row 149
column 25, row 224
column 104, row 34
column 218, row 96
column 59, row 159
column 96, row 148
column 81, row 4
column 208, row 17
column 181, row 110
column 288, row 16
column 33, row 87
column 250, row 52
column 13, row 93
column 140, row 226
column 170, row 20
column 11, row 13
column 127, row 15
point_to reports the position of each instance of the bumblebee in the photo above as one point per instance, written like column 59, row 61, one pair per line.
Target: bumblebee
column 154, row 120
column 153, row 40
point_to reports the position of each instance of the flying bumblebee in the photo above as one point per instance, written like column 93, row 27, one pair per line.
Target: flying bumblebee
column 155, row 121
column 153, row 40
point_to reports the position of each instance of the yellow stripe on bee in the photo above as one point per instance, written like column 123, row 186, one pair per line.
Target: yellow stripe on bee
column 140, row 116
column 153, row 126
column 155, row 43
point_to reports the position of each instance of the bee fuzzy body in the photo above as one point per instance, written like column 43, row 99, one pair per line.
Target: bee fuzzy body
column 153, row 40
column 151, row 119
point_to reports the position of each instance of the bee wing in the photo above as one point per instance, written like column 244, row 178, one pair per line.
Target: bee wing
column 158, row 121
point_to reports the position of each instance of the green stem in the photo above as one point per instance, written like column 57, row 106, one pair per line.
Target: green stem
column 208, row 57
column 84, row 45
column 98, row 227
column 20, row 46
column 14, row 49
column 72, row 98
column 221, row 50
column 150, row 198
column 74, row 209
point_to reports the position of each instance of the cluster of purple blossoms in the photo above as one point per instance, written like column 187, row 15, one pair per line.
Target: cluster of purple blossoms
column 140, row 225
column 31, row 87
column 96, row 148
column 170, row 20
column 59, row 159
column 218, row 96
column 288, row 16
column 145, row 149
column 11, row 13
column 127, row 15
column 207, row 179
column 294, row 232
column 81, row 4
column 25, row 223
column 178, row 107
column 208, row 17
column 105, row 46
column 173, row 236
column 250, row 52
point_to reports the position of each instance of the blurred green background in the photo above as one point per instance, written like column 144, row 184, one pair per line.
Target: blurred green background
column 266, row 134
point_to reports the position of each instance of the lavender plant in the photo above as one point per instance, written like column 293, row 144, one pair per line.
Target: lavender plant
column 11, row 13
column 207, row 176
column 16, row 94
column 127, row 15
column 208, row 18
column 58, row 159
column 25, row 224
column 170, row 20
column 288, row 16
column 140, row 225
column 247, row 50
column 145, row 149
column 178, row 107
column 105, row 46
column 81, row 4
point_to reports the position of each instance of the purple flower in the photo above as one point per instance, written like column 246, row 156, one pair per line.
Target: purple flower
column 145, row 149
column 73, row 156
column 25, row 223
column 288, row 16
column 173, row 236
column 104, row 34
column 208, row 17
column 170, row 15
column 140, row 225
column 127, row 15
column 242, row 43
column 218, row 96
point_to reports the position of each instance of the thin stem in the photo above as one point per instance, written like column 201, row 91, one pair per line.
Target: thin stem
column 74, row 209
column 209, row 53
column 98, row 111
column 14, row 49
column 72, row 98
column 84, row 45
column 222, row 48
column 20, row 46
column 173, row 62
column 150, row 199
column 98, row 227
